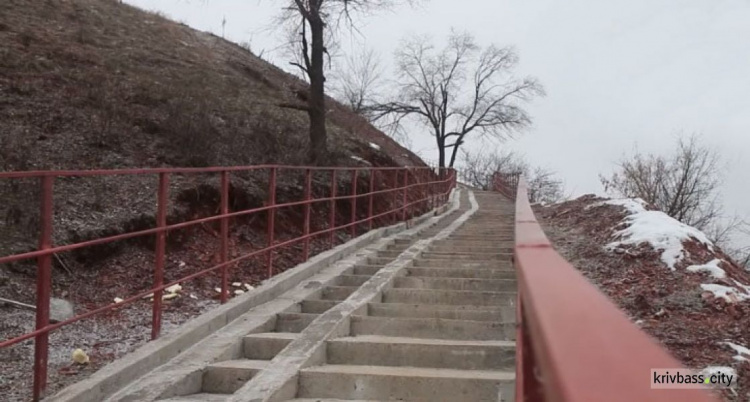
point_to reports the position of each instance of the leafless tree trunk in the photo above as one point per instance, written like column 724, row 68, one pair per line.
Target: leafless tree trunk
column 459, row 90
column 319, row 20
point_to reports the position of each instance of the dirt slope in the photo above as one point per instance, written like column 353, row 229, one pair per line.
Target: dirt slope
column 95, row 84
column 696, row 325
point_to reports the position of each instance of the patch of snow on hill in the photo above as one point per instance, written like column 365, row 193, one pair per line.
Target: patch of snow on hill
column 712, row 268
column 656, row 228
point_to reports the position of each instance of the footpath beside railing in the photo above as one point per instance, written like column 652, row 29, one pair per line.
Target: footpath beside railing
column 399, row 193
column 573, row 344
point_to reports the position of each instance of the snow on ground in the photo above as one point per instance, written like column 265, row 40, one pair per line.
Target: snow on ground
column 375, row 146
column 712, row 268
column 731, row 295
column 359, row 159
column 743, row 353
column 656, row 228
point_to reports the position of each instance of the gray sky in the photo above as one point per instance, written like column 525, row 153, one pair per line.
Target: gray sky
column 617, row 73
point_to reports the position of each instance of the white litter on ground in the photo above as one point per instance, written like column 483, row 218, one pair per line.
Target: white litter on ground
column 375, row 146
column 249, row 287
column 118, row 300
column 236, row 284
column 174, row 288
column 743, row 353
column 712, row 268
column 239, row 292
column 656, row 228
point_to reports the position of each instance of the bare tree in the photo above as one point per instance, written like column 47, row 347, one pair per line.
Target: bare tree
column 459, row 90
column 479, row 167
column 315, row 21
column 358, row 81
column 684, row 185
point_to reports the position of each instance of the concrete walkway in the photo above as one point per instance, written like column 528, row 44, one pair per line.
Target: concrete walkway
column 428, row 316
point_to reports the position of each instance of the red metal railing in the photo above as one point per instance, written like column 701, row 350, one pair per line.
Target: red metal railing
column 422, row 188
column 573, row 343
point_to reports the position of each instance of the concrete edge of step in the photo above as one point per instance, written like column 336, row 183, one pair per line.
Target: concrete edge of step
column 118, row 374
column 278, row 381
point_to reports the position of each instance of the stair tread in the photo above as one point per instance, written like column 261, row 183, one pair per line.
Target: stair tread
column 445, row 307
column 203, row 396
column 422, row 341
column 274, row 335
column 241, row 364
column 390, row 371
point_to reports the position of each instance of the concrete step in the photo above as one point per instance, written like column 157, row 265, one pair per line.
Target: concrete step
column 462, row 256
column 445, row 263
column 452, row 297
column 265, row 346
column 402, row 383
column 433, row 328
column 202, row 397
column 329, row 400
column 483, row 239
column 471, row 245
column 461, row 273
column 382, row 261
column 392, row 254
column 352, row 280
column 337, row 292
column 293, row 322
column 474, row 284
column 228, row 376
column 446, row 312
column 375, row 350
column 471, row 249
column 317, row 306
column 366, row 269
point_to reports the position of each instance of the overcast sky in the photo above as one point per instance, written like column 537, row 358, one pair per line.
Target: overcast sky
column 617, row 73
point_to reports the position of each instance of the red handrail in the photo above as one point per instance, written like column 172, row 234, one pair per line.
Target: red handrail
column 425, row 184
column 573, row 344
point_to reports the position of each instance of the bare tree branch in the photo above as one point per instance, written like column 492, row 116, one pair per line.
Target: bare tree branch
column 459, row 91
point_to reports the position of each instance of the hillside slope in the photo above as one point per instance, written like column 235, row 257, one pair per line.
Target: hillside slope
column 668, row 277
column 94, row 84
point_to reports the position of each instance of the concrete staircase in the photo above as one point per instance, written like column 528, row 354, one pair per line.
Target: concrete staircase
column 444, row 332
column 428, row 315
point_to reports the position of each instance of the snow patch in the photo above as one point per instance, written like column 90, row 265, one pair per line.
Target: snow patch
column 710, row 370
column 712, row 268
column 358, row 159
column 656, row 228
column 375, row 146
column 743, row 353
column 725, row 292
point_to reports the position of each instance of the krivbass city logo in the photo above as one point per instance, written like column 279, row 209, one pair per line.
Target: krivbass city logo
column 675, row 378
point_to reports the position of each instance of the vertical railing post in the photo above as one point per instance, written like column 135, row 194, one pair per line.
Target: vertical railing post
column 161, row 245
column 394, row 195
column 405, row 198
column 371, row 200
column 333, row 208
column 224, row 254
column 353, row 228
column 306, row 227
column 271, row 219
column 43, row 288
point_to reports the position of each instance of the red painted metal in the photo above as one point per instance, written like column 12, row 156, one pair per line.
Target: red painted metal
column 574, row 343
column 353, row 228
column 306, row 227
column 404, row 203
column 370, row 207
column 224, row 253
column 271, row 219
column 332, row 225
column 160, row 254
column 43, row 287
column 395, row 200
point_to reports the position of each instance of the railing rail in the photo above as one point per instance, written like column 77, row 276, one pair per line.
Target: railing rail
column 407, row 191
column 573, row 344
